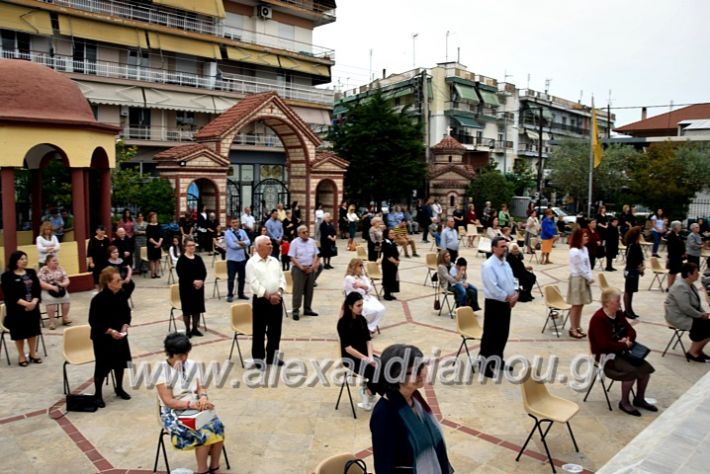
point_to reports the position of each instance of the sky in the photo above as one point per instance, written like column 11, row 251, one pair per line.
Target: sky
column 646, row 52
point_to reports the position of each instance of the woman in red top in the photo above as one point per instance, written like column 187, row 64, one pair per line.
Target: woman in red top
column 611, row 333
column 595, row 243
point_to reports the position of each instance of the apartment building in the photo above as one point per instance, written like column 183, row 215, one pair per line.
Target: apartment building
column 162, row 69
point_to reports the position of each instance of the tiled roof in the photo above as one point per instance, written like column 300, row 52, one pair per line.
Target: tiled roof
column 668, row 121
column 448, row 143
column 322, row 156
column 180, row 151
column 466, row 171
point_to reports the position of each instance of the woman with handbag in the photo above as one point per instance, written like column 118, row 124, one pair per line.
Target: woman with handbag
column 611, row 333
column 54, row 283
column 548, row 234
column 180, row 389
column 328, row 237
column 634, row 269
column 579, row 292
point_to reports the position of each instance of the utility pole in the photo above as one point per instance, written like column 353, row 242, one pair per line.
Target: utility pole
column 447, row 46
column 414, row 49
column 539, row 162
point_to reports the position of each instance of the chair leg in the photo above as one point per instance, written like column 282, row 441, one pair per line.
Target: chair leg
column 606, row 391
column 226, row 458
column 204, row 321
column 67, row 390
column 544, row 442
column 673, row 337
column 283, row 305
column 161, row 445
column 345, row 384
column 4, row 344
column 463, row 341
column 591, row 386
column 171, row 321
column 574, row 441
column 41, row 339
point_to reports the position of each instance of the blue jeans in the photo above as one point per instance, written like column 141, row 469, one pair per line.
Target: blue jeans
column 656, row 241
column 236, row 268
column 463, row 292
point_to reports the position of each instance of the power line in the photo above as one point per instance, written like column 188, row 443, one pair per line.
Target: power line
column 654, row 106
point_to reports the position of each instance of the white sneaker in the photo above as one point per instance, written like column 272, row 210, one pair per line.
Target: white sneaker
column 365, row 403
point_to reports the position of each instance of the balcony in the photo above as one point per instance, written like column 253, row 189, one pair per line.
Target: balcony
column 158, row 134
column 326, row 11
column 257, row 139
column 238, row 84
column 194, row 23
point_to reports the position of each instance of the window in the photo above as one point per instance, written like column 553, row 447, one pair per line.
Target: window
column 137, row 60
column 84, row 56
column 450, row 159
column 185, row 120
column 15, row 45
column 452, row 200
column 287, row 35
column 139, row 123
column 479, row 137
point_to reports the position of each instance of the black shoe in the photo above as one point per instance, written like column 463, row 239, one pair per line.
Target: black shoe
column 701, row 358
column 243, row 297
column 230, row 299
column 645, row 405
column 630, row 412
column 196, row 332
column 310, row 313
column 120, row 393
column 277, row 363
column 389, row 297
column 416, row 255
column 100, row 402
column 631, row 315
column 295, row 316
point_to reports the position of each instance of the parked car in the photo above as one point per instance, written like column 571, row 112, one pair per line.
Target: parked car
column 558, row 213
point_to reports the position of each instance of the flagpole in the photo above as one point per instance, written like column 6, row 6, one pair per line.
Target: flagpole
column 591, row 162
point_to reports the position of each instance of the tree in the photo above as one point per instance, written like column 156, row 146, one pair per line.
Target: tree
column 384, row 148
column 492, row 186
column 522, row 178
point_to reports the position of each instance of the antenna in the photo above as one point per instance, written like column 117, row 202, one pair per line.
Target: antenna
column 372, row 76
column 547, row 85
column 447, row 46
column 506, row 75
column 581, row 95
column 414, row 49
column 528, row 85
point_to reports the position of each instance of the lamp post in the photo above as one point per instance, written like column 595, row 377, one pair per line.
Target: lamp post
column 414, row 49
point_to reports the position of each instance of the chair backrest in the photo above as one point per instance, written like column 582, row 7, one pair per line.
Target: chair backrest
column 466, row 321
column 336, row 465
column 462, row 231
column 603, row 283
column 78, row 348
column 2, row 318
column 175, row 296
column 144, row 253
column 373, row 270
column 242, row 318
column 361, row 251
column 484, row 245
column 220, row 269
column 656, row 265
column 289, row 282
column 552, row 295
column 533, row 393
column 32, row 253
column 430, row 259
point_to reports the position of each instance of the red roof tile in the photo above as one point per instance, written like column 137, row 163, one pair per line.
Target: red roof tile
column 448, row 143
column 436, row 170
column 180, row 151
column 668, row 121
column 325, row 155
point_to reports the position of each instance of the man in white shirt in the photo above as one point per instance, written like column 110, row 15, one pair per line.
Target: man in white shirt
column 305, row 261
column 450, row 239
column 501, row 296
column 267, row 283
column 248, row 223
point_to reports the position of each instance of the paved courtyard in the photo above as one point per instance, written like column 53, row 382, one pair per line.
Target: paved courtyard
column 289, row 430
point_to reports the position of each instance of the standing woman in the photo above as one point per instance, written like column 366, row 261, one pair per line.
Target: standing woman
column 127, row 223
column 676, row 249
column 175, row 249
column 579, row 292
column 296, row 212
column 139, row 230
column 634, row 269
column 110, row 318
column 154, row 236
column 611, row 244
column 54, row 283
column 191, row 273
column 47, row 243
column 390, row 262
column 658, row 229
column 548, row 235
column 343, row 219
column 22, row 296
column 532, row 230
column 328, row 236
column 357, row 281
column 374, row 244
column 97, row 253
column 594, row 243
column 626, row 220
column 352, row 226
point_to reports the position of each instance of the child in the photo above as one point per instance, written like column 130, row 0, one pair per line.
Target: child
column 285, row 259
column 470, row 292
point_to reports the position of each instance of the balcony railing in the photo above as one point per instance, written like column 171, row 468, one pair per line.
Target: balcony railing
column 257, row 139
column 195, row 23
column 244, row 85
column 160, row 134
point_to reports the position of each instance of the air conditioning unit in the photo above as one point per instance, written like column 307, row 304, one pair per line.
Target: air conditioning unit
column 124, row 111
column 263, row 12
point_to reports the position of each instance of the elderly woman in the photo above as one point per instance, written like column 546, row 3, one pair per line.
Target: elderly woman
column 374, row 244
column 353, row 219
column 455, row 277
column 594, row 244
column 124, row 270
column 110, row 318
column 684, row 311
column 526, row 278
column 676, row 249
column 532, row 230
column 180, row 389
column 357, row 281
column 405, row 434
column 694, row 244
column 390, row 265
column 611, row 334
column 634, row 269
column 191, row 273
column 54, row 283
column 579, row 292
column 47, row 243
column 548, row 234
column 328, row 237
column 21, row 290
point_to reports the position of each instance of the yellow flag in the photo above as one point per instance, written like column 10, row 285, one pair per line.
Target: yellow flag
column 596, row 146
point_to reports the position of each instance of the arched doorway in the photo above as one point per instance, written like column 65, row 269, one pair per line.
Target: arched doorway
column 233, row 199
column 267, row 194
column 202, row 192
column 327, row 196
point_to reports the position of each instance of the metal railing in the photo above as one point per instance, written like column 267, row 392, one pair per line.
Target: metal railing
column 195, row 23
column 162, row 134
column 257, row 139
column 239, row 84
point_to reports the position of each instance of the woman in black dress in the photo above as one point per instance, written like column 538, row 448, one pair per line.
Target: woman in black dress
column 676, row 250
column 634, row 269
column 110, row 318
column 97, row 252
column 343, row 220
column 20, row 286
column 123, row 268
column 191, row 273
column 328, row 237
column 611, row 244
column 390, row 262
column 154, row 234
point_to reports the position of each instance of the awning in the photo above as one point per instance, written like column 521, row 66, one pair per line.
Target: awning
column 110, row 94
column 466, row 93
column 25, row 19
column 222, row 103
column 253, row 57
column 158, row 99
column 99, row 31
column 535, row 135
column 313, row 116
column 304, row 66
column 177, row 44
column 204, row 7
column 489, row 98
column 465, row 121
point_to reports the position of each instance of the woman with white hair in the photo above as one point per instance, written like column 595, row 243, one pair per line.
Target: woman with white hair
column 374, row 243
column 676, row 249
column 328, row 236
column 523, row 273
column 356, row 280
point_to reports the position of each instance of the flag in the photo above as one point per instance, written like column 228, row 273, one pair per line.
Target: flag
column 596, row 146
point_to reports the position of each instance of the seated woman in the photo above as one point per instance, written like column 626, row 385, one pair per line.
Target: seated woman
column 218, row 243
column 356, row 280
column 455, row 276
column 175, row 250
column 611, row 333
column 495, row 230
column 523, row 273
column 54, row 283
column 685, row 311
column 356, row 347
column 123, row 268
column 180, row 389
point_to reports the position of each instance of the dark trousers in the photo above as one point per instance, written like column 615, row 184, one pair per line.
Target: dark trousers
column 275, row 248
column 303, row 288
column 101, row 371
column 693, row 259
column 454, row 255
column 238, row 269
column 496, row 326
column 266, row 322
column 367, row 371
column 592, row 261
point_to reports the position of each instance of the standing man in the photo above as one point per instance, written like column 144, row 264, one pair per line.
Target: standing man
column 55, row 218
column 501, row 296
column 424, row 218
column 248, row 223
column 305, row 259
column 267, row 283
column 237, row 242
column 275, row 230
column 450, row 239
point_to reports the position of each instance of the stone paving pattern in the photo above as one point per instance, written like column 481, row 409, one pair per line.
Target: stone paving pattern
column 289, row 430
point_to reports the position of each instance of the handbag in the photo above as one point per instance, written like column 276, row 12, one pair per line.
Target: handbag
column 81, row 403
column 58, row 294
column 636, row 353
column 437, row 304
column 333, row 250
column 355, row 466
